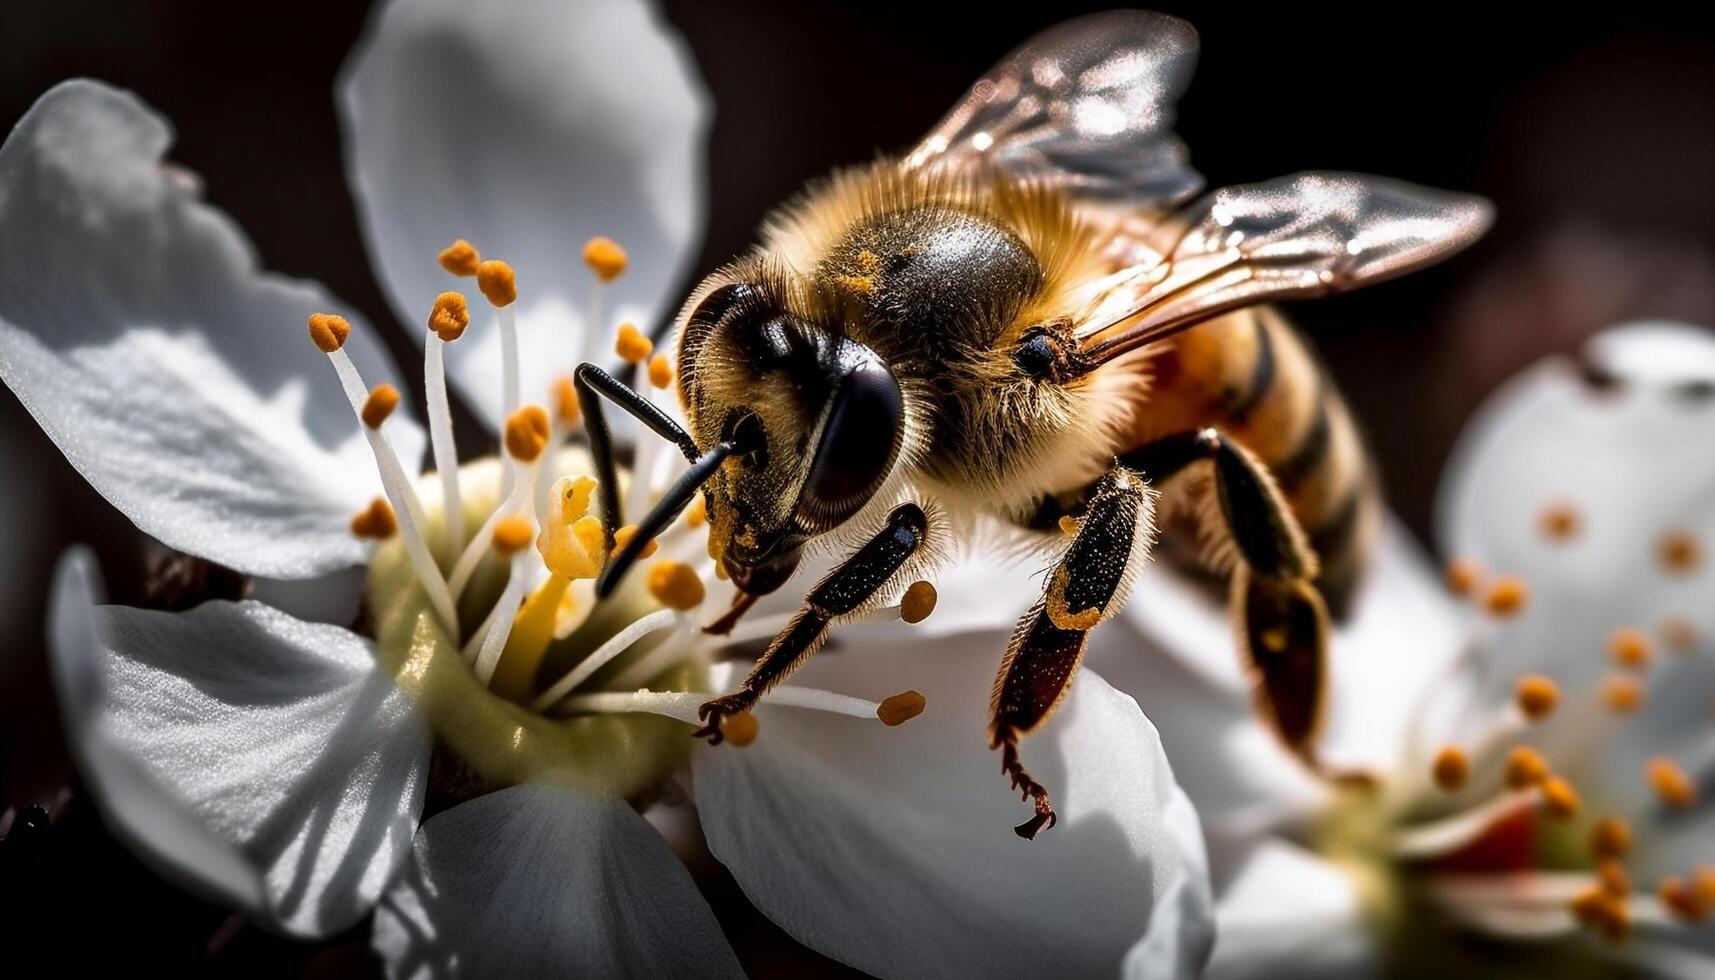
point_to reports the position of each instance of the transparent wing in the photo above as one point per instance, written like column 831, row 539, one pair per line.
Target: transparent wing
column 1294, row 237
column 1087, row 104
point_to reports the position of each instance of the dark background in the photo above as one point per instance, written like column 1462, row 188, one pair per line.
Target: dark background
column 1593, row 133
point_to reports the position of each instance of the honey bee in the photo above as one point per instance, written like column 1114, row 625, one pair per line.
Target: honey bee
column 1032, row 319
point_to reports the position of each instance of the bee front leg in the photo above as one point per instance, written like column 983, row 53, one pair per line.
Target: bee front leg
column 1088, row 585
column 841, row 592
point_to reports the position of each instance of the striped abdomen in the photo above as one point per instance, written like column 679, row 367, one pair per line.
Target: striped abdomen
column 1249, row 374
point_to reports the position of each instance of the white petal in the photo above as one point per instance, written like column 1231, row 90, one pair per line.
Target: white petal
column 527, row 128
column 173, row 373
column 265, row 759
column 892, row 849
column 538, row 881
column 1286, row 913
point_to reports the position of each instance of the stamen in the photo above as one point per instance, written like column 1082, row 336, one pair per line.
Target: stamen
column 1682, row 900
column 460, row 258
column 1537, row 696
column 1610, row 838
column 376, row 521
column 1452, row 833
column 513, row 534
column 382, row 400
column 918, row 602
column 1679, row 552
column 1452, row 768
column 617, row 644
column 450, row 316
column 697, row 514
column 497, row 627
column 447, row 322
column 675, row 584
column 1462, row 576
column 519, row 498
column 1526, row 768
column 605, row 258
column 660, row 371
column 527, row 433
column 1559, row 522
column 1559, row 798
column 1612, row 876
column 1679, row 634
column 567, row 411
column 330, row 330
column 900, row 708
column 1703, row 881
column 632, row 345
column 623, row 536
column 1670, row 782
column 1622, row 693
column 1598, row 910
column 1629, row 648
column 500, row 286
column 1506, row 596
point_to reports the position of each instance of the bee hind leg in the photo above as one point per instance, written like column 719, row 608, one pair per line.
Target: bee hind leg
column 841, row 592
column 1089, row 583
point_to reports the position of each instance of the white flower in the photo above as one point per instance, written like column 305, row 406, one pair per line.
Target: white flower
column 285, row 765
column 1533, row 771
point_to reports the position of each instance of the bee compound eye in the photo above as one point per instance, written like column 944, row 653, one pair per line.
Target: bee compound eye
column 858, row 443
column 1035, row 356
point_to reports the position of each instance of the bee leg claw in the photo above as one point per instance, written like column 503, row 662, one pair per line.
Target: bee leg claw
column 716, row 710
column 1045, row 818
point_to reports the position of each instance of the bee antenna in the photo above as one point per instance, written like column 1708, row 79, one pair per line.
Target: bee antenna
column 665, row 511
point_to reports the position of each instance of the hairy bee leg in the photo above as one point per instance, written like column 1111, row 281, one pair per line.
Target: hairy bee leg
column 1279, row 616
column 841, row 591
column 592, row 384
column 1088, row 584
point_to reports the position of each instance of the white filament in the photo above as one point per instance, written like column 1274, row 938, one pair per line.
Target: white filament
column 441, row 438
column 616, row 645
column 498, row 627
column 515, row 501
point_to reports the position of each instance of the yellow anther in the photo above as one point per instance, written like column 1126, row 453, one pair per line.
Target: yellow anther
column 527, row 433
column 660, row 371
column 918, row 602
column 460, row 258
column 1559, row 522
column 450, row 316
column 1559, row 798
column 1611, row 837
column 1506, row 596
column 605, row 258
column 623, row 536
column 1068, row 525
column 1682, row 899
column 497, row 282
column 1679, row 552
column 1599, row 910
column 1679, row 634
column 697, row 514
column 328, row 331
column 566, row 407
column 740, row 729
column 631, row 344
column 1526, row 768
column 1629, row 647
column 1452, row 768
column 1538, row 696
column 571, row 539
column 1462, row 576
column 675, row 584
column 1622, row 693
column 382, row 400
column 1612, row 876
column 513, row 534
column 1670, row 782
column 375, row 521
column 900, row 708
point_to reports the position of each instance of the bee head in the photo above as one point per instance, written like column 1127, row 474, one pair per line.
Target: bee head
column 817, row 421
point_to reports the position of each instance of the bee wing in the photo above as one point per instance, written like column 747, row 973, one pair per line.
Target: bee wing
column 1293, row 237
column 1087, row 104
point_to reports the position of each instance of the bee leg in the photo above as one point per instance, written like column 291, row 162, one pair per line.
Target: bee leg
column 1089, row 583
column 1279, row 616
column 841, row 592
column 593, row 384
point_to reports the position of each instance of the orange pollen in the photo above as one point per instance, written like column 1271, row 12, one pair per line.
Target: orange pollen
column 1679, row 552
column 566, row 401
column 1462, row 575
column 512, row 535
column 900, row 708
column 382, row 400
column 660, row 371
column 1629, row 647
column 1452, row 768
column 1068, row 525
column 1622, row 693
column 527, row 433
column 1559, row 798
column 605, row 257
column 460, row 258
column 1526, row 768
column 1679, row 634
column 450, row 316
column 632, row 345
column 1506, row 596
column 375, row 522
column 1560, row 522
column 676, row 585
column 1670, row 782
column 697, row 514
column 1613, row 878
column 328, row 331
column 1610, row 838
column 918, row 602
column 497, row 282
column 1682, row 900
column 1538, row 696
column 623, row 536
column 1703, row 881
column 740, row 729
column 1599, row 910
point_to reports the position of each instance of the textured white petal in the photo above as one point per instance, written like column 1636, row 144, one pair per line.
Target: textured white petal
column 538, row 881
column 892, row 849
column 265, row 759
column 527, row 128
column 172, row 372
